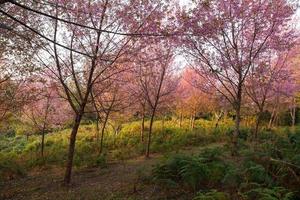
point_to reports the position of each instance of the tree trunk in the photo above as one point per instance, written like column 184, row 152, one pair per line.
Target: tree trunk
column 293, row 112
column 43, row 143
column 102, row 132
column 142, row 128
column 193, row 121
column 218, row 119
column 149, row 134
column 271, row 119
column 276, row 119
column 237, row 122
column 236, row 132
column 43, row 136
column 97, row 129
column 257, row 123
column 180, row 120
column 44, row 125
column 69, row 166
column 293, row 117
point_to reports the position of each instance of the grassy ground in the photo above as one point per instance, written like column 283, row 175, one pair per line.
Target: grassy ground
column 19, row 155
column 180, row 166
column 121, row 180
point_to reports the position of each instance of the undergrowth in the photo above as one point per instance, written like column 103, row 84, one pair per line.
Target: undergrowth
column 267, row 169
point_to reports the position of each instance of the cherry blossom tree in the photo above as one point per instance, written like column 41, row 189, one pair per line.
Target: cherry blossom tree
column 155, row 80
column 45, row 109
column 11, row 99
column 109, row 99
column 225, row 38
column 264, row 81
column 195, row 97
column 294, row 63
column 99, row 34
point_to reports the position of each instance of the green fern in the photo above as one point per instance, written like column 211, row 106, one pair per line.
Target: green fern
column 169, row 172
column 194, row 171
column 211, row 195
column 256, row 173
column 276, row 193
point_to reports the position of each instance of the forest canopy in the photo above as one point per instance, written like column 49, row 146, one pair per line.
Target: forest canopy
column 211, row 85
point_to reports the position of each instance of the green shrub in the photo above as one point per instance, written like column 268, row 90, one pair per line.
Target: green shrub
column 256, row 173
column 294, row 139
column 101, row 161
column 169, row 171
column 214, row 153
column 296, row 160
column 244, row 133
column 233, row 177
column 32, row 147
column 211, row 195
column 192, row 171
column 275, row 193
column 35, row 161
column 122, row 154
column 10, row 169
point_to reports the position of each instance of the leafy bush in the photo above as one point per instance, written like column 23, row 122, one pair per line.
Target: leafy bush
column 10, row 169
column 101, row 161
column 276, row 193
column 294, row 139
column 232, row 178
column 211, row 195
column 256, row 173
column 192, row 171
column 243, row 134
column 169, row 171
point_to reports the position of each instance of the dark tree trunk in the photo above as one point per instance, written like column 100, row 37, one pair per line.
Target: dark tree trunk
column 149, row 134
column 180, row 120
column 154, row 107
column 97, row 129
column 69, row 166
column 237, row 122
column 142, row 128
column 236, row 132
column 256, row 127
column 43, row 143
column 293, row 117
column 44, row 125
column 257, row 123
column 102, row 132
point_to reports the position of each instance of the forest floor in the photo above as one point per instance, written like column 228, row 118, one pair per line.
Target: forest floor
column 120, row 180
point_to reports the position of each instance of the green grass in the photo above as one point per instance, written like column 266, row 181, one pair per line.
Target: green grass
column 267, row 170
column 186, row 164
column 19, row 151
column 19, row 155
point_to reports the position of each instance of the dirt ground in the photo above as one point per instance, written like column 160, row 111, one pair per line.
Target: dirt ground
column 122, row 180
